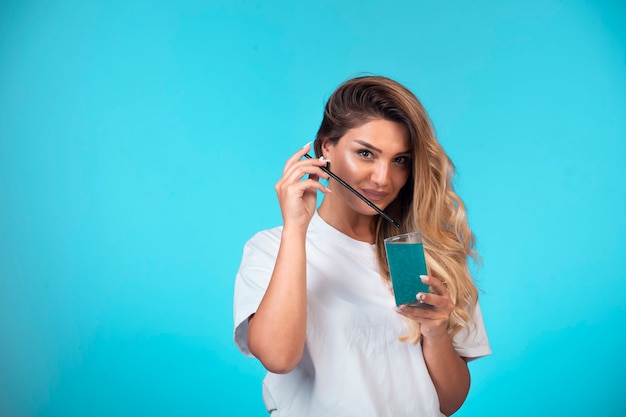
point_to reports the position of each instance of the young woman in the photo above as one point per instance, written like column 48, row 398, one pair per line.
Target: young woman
column 313, row 300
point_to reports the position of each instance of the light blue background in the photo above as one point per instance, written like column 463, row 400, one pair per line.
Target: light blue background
column 140, row 143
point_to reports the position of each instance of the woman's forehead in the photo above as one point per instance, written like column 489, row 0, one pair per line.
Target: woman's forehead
column 384, row 135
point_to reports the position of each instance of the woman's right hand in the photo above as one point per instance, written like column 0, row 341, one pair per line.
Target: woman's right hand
column 298, row 196
column 277, row 330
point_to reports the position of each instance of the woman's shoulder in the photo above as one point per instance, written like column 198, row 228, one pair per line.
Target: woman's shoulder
column 265, row 237
column 262, row 247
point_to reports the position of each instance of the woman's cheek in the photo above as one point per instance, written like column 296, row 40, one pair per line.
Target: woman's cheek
column 352, row 165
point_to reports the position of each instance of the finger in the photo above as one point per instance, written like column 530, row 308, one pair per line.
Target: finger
column 298, row 155
column 430, row 299
column 437, row 301
column 300, row 188
column 298, row 170
column 435, row 283
column 296, row 177
column 417, row 313
column 311, row 184
column 311, row 167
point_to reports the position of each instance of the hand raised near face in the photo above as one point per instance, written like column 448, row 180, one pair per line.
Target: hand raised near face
column 297, row 188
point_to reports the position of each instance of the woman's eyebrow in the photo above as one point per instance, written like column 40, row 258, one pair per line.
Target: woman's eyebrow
column 370, row 146
column 367, row 145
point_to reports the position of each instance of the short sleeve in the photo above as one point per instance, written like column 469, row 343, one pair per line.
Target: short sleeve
column 251, row 281
column 472, row 342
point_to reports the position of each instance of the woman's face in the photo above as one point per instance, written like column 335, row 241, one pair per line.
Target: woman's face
column 375, row 159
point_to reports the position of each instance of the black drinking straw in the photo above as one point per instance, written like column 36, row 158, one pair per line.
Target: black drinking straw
column 358, row 194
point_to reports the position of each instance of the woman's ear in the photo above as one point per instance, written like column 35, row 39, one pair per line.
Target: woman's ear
column 326, row 148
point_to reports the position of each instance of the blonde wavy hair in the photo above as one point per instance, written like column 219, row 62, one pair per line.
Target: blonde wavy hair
column 427, row 202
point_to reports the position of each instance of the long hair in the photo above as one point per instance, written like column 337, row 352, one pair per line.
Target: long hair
column 426, row 203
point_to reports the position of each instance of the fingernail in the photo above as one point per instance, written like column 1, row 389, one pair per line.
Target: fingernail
column 324, row 159
column 307, row 144
column 420, row 297
column 424, row 278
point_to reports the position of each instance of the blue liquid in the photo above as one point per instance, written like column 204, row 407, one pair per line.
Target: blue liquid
column 406, row 264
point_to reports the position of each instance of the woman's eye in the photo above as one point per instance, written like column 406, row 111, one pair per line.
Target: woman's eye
column 402, row 160
column 365, row 153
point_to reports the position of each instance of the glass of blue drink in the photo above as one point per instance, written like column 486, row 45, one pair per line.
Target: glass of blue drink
column 405, row 256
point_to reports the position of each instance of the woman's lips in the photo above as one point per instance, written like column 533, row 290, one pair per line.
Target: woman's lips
column 374, row 195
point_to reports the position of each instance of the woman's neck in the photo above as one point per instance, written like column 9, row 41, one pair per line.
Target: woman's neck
column 357, row 226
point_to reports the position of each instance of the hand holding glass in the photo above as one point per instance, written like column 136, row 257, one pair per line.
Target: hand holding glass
column 405, row 256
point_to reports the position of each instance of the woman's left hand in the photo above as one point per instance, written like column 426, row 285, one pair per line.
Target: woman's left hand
column 438, row 307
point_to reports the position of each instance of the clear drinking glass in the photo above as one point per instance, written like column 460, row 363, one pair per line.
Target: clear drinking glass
column 405, row 256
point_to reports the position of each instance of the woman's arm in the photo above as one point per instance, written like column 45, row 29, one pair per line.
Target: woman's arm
column 276, row 332
column 448, row 371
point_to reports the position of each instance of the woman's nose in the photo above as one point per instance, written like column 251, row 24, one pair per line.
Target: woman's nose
column 380, row 174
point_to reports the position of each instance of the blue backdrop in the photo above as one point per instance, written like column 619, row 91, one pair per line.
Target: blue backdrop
column 139, row 146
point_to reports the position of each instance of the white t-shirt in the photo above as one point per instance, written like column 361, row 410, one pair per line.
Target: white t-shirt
column 353, row 363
